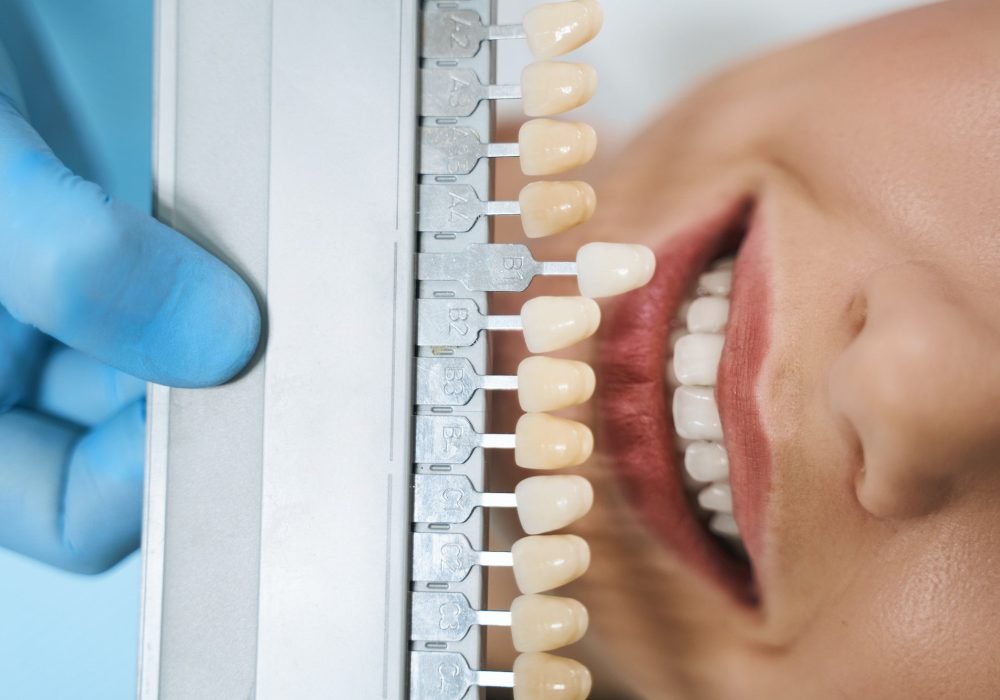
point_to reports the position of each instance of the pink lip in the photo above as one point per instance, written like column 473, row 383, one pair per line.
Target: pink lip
column 638, row 423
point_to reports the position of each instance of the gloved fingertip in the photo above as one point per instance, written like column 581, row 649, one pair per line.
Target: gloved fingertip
column 213, row 329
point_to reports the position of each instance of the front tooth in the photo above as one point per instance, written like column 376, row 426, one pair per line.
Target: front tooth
column 707, row 315
column 607, row 269
column 724, row 524
column 548, row 147
column 718, row 497
column 550, row 87
column 558, row 28
column 716, row 282
column 547, row 503
column 547, row 442
column 548, row 384
column 706, row 461
column 546, row 622
column 696, row 415
column 696, row 358
column 548, row 208
column 554, row 323
column 544, row 562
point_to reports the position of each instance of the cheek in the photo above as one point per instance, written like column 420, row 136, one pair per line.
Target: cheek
column 922, row 614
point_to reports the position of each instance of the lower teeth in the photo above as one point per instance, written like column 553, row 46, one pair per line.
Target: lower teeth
column 691, row 373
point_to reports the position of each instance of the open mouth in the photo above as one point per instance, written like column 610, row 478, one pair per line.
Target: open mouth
column 679, row 362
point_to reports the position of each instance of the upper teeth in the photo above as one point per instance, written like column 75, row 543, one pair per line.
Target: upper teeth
column 692, row 373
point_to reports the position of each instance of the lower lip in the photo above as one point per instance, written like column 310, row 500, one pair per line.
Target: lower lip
column 638, row 427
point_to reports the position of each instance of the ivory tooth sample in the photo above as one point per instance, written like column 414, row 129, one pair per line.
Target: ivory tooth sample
column 551, row 87
column 607, row 269
column 547, row 503
column 544, row 562
column 558, row 28
column 548, row 208
column 548, row 384
column 554, row 323
column 546, row 622
column 540, row 676
column 547, row 442
column 549, row 147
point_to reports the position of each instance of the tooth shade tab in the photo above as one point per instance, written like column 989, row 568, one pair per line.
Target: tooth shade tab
column 548, row 384
column 455, row 150
column 428, row 682
column 457, row 92
column 460, row 33
column 717, row 283
column 696, row 414
column 547, row 503
column 609, row 269
column 555, row 323
column 457, row 322
column 453, row 381
column 448, row 617
column 550, row 147
column 706, row 461
column 456, row 208
column 451, row 439
column 548, row 442
column 550, row 87
column 717, row 497
column 544, row 622
column 451, row 498
column 557, row 28
column 539, row 676
column 449, row 557
column 707, row 315
column 696, row 358
column 544, row 562
column 548, row 208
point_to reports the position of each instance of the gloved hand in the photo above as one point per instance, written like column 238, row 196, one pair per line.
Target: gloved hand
column 92, row 291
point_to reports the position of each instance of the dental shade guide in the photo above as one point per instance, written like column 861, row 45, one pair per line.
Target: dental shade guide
column 319, row 524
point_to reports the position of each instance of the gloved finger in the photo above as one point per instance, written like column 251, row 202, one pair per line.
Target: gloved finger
column 69, row 497
column 22, row 350
column 110, row 281
column 78, row 388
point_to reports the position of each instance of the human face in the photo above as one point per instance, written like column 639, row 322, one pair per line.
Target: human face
column 858, row 387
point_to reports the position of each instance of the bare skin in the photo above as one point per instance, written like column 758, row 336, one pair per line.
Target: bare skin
column 873, row 157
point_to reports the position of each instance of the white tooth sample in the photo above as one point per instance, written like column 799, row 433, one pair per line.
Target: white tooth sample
column 696, row 358
column 607, row 269
column 554, row 323
column 716, row 282
column 542, row 441
column 717, row 497
column 546, row 622
column 724, row 524
column 550, row 87
column 555, row 29
column 539, row 676
column 696, row 415
column 707, row 315
column 706, row 461
column 549, row 147
column 544, row 562
column 547, row 503
column 548, row 208
column 548, row 384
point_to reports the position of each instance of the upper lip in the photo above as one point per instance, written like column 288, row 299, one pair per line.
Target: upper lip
column 637, row 422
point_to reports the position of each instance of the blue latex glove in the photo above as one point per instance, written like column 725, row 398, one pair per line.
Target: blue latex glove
column 92, row 291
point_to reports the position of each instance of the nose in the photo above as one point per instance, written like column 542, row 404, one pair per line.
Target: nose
column 919, row 386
